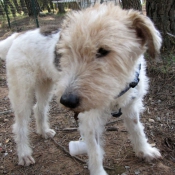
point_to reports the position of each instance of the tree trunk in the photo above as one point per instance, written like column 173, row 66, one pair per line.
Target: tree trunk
column 61, row 8
column 32, row 7
column 134, row 4
column 51, row 4
column 1, row 10
column 162, row 13
column 23, row 6
column 45, row 5
column 7, row 3
column 18, row 8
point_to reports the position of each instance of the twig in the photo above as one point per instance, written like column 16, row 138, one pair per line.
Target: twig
column 68, row 129
column 67, row 152
column 76, row 129
column 75, row 157
column 171, row 35
column 6, row 112
column 113, row 122
column 111, row 129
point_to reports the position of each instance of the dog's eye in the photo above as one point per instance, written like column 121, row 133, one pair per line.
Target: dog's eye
column 102, row 53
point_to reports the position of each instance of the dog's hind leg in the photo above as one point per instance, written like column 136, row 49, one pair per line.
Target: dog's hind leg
column 91, row 129
column 43, row 96
column 21, row 95
column 136, row 131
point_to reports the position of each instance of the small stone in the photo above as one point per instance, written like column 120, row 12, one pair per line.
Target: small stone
column 137, row 172
column 151, row 127
column 159, row 101
column 151, row 120
column 123, row 174
column 153, row 144
column 173, row 121
column 161, row 125
column 127, row 167
column 1, row 167
column 85, row 167
column 5, row 154
column 6, row 120
column 158, row 119
column 56, row 128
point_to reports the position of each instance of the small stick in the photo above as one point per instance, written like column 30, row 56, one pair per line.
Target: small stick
column 111, row 129
column 113, row 122
column 6, row 112
column 69, row 129
column 78, row 159
column 67, row 152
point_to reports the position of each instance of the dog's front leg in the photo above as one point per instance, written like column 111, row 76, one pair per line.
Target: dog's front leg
column 136, row 131
column 91, row 128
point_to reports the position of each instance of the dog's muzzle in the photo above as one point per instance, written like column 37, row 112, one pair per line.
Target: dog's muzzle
column 70, row 100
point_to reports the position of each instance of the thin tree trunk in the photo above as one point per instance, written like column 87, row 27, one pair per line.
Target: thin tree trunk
column 32, row 7
column 1, row 10
column 10, row 5
column 18, row 8
column 45, row 5
column 162, row 12
column 51, row 4
column 134, row 4
column 23, row 6
column 61, row 8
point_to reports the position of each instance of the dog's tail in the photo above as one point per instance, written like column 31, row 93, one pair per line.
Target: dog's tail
column 5, row 45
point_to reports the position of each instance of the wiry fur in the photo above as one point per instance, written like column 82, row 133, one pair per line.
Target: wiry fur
column 30, row 71
column 98, row 81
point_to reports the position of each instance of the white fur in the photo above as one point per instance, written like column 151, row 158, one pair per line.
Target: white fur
column 5, row 45
column 30, row 71
column 97, row 81
column 92, row 124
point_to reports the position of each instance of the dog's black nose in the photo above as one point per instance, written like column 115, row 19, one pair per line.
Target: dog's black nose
column 69, row 100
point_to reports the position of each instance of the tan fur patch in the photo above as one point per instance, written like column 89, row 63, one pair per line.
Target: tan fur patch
column 120, row 34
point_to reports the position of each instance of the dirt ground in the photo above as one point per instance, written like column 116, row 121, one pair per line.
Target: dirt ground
column 52, row 157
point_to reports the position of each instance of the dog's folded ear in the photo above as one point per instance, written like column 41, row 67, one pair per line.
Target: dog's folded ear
column 147, row 32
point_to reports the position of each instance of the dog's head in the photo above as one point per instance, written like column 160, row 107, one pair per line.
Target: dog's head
column 99, row 49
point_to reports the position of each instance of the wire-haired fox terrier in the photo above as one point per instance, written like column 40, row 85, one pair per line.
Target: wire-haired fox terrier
column 97, row 61
column 103, row 70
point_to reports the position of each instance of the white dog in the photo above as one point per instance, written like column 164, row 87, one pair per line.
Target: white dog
column 32, row 69
column 103, row 72
column 99, row 62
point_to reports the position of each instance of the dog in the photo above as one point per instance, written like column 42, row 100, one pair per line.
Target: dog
column 104, row 73
column 32, row 70
column 96, row 64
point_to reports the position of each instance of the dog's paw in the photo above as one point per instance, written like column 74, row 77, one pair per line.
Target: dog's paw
column 149, row 154
column 26, row 160
column 49, row 133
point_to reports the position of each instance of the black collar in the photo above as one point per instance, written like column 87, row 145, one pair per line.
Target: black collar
column 133, row 84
